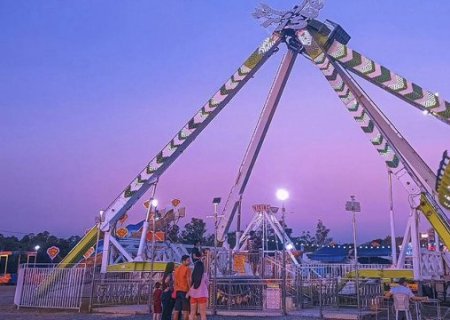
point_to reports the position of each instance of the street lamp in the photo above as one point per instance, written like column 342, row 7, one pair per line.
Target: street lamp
column 216, row 202
column 149, row 205
column 154, row 204
column 36, row 248
column 283, row 195
column 391, row 218
column 98, row 221
column 354, row 206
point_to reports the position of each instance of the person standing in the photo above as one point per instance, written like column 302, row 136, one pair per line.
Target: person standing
column 157, row 303
column 196, row 254
column 182, row 276
column 253, row 251
column 198, row 292
column 167, row 300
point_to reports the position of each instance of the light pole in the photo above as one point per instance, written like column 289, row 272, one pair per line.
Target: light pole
column 153, row 203
column 216, row 202
column 354, row 206
column 283, row 195
column 99, row 221
column 238, row 225
column 391, row 218
column 36, row 248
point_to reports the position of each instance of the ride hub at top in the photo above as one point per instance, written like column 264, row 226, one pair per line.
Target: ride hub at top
column 325, row 45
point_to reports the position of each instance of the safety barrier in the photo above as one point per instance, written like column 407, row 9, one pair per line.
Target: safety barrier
column 120, row 292
column 122, row 288
column 431, row 309
column 45, row 286
column 246, row 294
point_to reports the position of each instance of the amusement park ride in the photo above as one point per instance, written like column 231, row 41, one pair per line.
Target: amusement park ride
column 325, row 45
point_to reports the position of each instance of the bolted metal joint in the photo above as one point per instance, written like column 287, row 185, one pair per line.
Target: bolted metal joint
column 294, row 19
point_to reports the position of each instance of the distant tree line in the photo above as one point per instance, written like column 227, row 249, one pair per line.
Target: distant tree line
column 192, row 231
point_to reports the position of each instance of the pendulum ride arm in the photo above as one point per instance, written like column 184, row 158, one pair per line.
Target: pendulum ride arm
column 188, row 133
column 255, row 145
column 443, row 181
column 400, row 157
column 390, row 81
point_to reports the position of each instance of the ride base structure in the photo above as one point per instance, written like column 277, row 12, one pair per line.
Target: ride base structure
column 325, row 44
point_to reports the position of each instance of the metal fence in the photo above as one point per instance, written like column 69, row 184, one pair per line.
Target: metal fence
column 120, row 292
column 307, row 286
column 334, row 292
column 424, row 310
column 45, row 286
column 120, row 288
column 245, row 294
column 266, row 294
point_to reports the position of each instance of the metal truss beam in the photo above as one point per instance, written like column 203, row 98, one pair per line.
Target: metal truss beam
column 391, row 82
column 155, row 168
column 256, row 142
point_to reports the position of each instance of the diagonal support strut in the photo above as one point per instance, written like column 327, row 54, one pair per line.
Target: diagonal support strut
column 255, row 145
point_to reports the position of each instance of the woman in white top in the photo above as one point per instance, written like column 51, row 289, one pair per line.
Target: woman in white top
column 199, row 291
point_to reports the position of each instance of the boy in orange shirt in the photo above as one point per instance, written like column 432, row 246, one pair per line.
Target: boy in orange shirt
column 182, row 277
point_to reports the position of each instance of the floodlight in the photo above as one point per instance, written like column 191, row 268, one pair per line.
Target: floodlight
column 282, row 194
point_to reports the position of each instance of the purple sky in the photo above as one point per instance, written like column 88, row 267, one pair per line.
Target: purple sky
column 91, row 91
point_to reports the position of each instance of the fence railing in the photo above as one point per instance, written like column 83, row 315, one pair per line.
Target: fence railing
column 431, row 309
column 322, row 270
column 245, row 294
column 260, row 294
column 45, row 286
column 318, row 285
column 120, row 292
column 270, row 265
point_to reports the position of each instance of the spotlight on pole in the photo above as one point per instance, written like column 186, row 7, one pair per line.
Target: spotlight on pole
column 282, row 194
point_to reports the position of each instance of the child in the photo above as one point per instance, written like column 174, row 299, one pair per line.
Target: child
column 157, row 306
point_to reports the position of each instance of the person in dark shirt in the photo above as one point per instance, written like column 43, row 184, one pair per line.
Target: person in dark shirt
column 253, row 245
column 167, row 300
column 196, row 253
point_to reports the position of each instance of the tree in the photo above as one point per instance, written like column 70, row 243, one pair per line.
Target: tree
column 194, row 231
column 209, row 240
column 321, row 237
column 306, row 238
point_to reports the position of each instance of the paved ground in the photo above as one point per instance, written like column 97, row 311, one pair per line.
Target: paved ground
column 9, row 312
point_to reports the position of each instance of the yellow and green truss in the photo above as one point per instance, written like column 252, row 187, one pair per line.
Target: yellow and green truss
column 443, row 181
column 328, row 67
column 438, row 221
column 191, row 130
column 358, row 112
column 390, row 81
